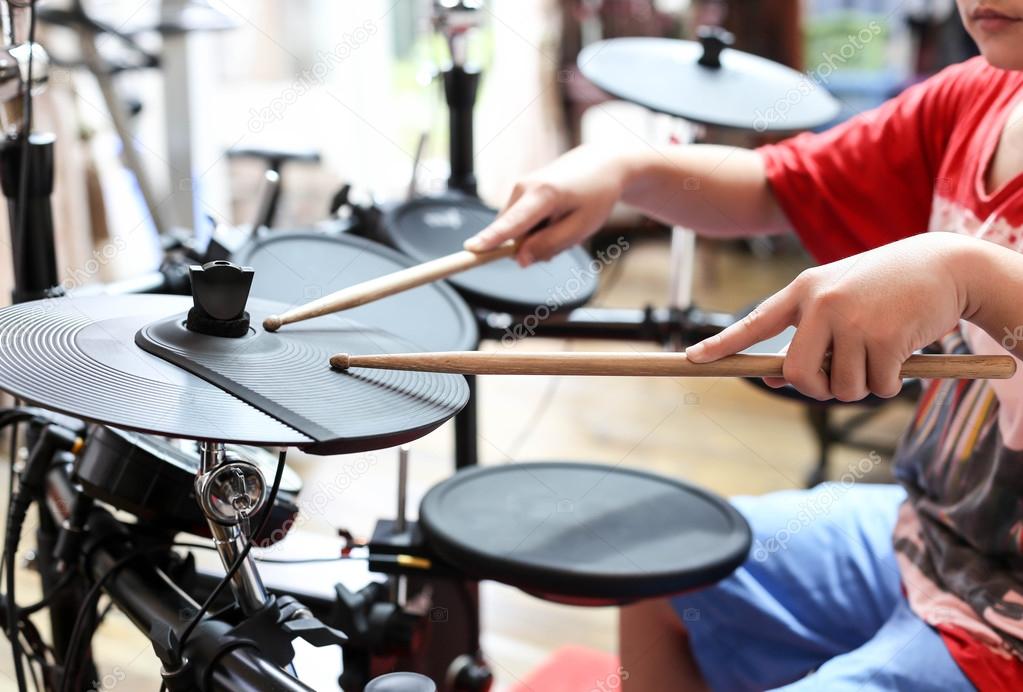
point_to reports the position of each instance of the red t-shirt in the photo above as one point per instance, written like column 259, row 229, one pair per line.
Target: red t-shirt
column 873, row 179
column 919, row 163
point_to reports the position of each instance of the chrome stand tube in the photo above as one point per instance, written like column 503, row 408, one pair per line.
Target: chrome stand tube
column 228, row 535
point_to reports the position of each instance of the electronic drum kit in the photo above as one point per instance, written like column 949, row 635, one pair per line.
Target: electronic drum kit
column 338, row 343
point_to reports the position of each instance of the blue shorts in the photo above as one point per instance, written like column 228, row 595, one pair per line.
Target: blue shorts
column 821, row 594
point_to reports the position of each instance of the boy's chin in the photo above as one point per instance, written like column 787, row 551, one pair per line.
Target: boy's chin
column 1004, row 52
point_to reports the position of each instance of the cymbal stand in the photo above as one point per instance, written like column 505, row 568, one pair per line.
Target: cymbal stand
column 230, row 492
column 26, row 168
column 457, row 20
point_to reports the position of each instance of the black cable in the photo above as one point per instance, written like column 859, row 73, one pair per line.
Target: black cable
column 11, row 416
column 187, row 632
column 48, row 598
column 32, row 670
column 276, row 561
column 17, row 508
column 71, row 662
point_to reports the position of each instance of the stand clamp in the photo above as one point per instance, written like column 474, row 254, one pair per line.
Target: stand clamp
column 270, row 631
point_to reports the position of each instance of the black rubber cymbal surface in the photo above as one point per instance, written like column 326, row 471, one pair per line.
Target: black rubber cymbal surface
column 78, row 356
column 572, row 531
column 295, row 267
column 432, row 227
column 747, row 92
column 287, row 374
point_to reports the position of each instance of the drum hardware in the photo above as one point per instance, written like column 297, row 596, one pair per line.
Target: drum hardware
column 131, row 391
column 402, row 682
column 153, row 478
column 657, row 325
column 230, row 492
column 400, row 621
column 633, row 364
column 246, row 656
column 275, row 160
column 427, row 228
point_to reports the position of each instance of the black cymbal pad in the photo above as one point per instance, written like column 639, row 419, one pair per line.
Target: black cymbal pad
column 287, row 375
column 745, row 92
column 78, row 356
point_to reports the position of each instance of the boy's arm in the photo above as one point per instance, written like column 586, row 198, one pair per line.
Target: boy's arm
column 715, row 190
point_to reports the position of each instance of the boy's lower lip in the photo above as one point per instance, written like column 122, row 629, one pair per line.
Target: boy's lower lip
column 994, row 22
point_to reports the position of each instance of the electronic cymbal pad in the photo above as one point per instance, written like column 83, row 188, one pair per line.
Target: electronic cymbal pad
column 708, row 82
column 163, row 365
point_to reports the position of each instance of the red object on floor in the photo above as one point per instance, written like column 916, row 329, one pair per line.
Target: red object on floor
column 575, row 669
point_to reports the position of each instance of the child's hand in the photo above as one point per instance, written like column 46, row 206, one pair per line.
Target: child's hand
column 573, row 196
column 869, row 311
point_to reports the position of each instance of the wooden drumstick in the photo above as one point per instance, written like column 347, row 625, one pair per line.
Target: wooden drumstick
column 652, row 364
column 389, row 284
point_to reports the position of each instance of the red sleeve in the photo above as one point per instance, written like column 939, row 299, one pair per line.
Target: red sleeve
column 870, row 180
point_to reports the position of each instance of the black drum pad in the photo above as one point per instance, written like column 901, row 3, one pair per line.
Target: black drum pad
column 295, row 267
column 287, row 375
column 583, row 533
column 429, row 228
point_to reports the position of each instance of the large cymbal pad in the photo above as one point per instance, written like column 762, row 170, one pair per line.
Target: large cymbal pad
column 78, row 356
column 287, row 375
column 743, row 91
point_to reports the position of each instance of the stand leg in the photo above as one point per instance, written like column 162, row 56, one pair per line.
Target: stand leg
column 820, row 421
column 35, row 258
column 466, row 432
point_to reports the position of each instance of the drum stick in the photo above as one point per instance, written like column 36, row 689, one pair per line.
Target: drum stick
column 389, row 284
column 652, row 364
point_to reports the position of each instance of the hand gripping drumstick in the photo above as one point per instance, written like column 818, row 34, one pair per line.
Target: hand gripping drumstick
column 389, row 284
column 652, row 364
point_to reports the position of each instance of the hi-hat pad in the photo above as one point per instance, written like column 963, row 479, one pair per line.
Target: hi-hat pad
column 79, row 356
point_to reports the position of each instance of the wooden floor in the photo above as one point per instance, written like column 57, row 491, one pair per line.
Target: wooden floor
column 725, row 435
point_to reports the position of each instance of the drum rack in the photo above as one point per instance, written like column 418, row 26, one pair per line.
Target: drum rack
column 249, row 647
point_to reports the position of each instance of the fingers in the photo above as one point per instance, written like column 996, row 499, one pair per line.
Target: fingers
column 766, row 320
column 552, row 239
column 802, row 368
column 848, row 368
column 777, row 382
column 520, row 216
column 883, row 369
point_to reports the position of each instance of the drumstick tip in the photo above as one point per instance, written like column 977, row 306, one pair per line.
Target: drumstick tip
column 272, row 323
column 340, row 361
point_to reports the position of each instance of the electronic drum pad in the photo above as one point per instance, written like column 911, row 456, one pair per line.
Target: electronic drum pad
column 129, row 361
column 585, row 534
